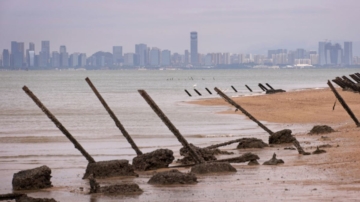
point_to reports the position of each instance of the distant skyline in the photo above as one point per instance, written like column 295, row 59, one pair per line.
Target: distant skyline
column 222, row 26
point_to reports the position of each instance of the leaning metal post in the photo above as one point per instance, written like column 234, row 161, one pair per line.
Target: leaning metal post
column 343, row 103
column 59, row 125
column 116, row 120
column 172, row 128
column 230, row 101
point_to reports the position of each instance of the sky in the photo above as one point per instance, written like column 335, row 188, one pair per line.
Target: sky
column 235, row 26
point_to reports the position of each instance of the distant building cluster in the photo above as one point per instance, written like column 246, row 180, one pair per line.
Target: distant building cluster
column 328, row 54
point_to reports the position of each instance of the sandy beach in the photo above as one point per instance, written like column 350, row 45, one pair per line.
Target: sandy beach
column 332, row 176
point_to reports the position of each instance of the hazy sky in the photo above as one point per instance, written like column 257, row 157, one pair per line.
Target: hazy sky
column 237, row 26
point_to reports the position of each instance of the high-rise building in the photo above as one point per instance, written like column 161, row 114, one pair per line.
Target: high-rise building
column 31, row 58
column 117, row 55
column 348, row 56
column 155, row 57
column 82, row 60
column 44, row 55
column 165, row 57
column 55, row 59
column 194, row 48
column 17, row 54
column 141, row 52
column 6, row 58
column 129, row 59
column 322, row 53
column 31, row 48
column 187, row 57
column 300, row 53
column 74, row 60
column 64, row 57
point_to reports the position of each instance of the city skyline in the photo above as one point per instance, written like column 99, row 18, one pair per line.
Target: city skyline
column 231, row 26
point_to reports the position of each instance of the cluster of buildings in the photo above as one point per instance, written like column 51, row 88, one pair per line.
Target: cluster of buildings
column 328, row 54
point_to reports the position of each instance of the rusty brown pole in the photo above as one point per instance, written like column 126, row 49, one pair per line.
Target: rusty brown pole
column 116, row 120
column 197, row 158
column 58, row 125
column 343, row 103
column 230, row 101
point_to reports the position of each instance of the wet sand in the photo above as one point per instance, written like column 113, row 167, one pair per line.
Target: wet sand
column 330, row 176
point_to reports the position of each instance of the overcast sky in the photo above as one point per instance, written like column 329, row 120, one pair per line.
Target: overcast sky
column 236, row 26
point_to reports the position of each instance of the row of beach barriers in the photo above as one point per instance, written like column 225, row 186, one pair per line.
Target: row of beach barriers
column 347, row 84
column 268, row 90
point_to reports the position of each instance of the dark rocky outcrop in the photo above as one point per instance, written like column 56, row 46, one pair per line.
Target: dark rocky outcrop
column 253, row 163
column 173, row 177
column 319, row 151
column 213, row 167
column 160, row 158
column 104, row 169
column 37, row 178
column 273, row 91
column 251, row 143
column 321, row 129
column 117, row 189
column 273, row 161
column 30, row 199
column 206, row 154
column 281, row 137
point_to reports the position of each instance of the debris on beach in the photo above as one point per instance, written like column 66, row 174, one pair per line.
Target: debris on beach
column 273, row 161
column 160, row 158
column 37, row 178
column 321, row 129
column 325, row 146
column 23, row 198
column 240, row 159
column 347, row 84
column 270, row 91
column 281, row 137
column 112, row 168
column 212, row 167
column 299, row 148
column 116, row 189
column 251, row 143
column 173, row 177
column 319, row 151
column 253, row 163
column 206, row 154
column 289, row 148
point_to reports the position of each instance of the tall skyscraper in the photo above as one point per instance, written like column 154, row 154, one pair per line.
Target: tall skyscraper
column 165, row 57
column 31, row 48
column 129, row 59
column 155, row 57
column 187, row 57
column 64, row 57
column 141, row 52
column 82, row 60
column 6, row 58
column 17, row 54
column 117, row 55
column 348, row 56
column 55, row 59
column 45, row 54
column 322, row 53
column 194, row 48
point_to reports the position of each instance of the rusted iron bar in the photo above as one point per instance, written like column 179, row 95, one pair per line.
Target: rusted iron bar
column 339, row 83
column 356, row 78
column 172, row 128
column 59, row 125
column 263, row 87
column 347, row 79
column 208, row 91
column 343, row 103
column 248, row 88
column 197, row 92
column 357, row 74
column 187, row 92
column 230, row 101
column 270, row 86
column 351, row 85
column 224, row 144
column 113, row 116
column 234, row 89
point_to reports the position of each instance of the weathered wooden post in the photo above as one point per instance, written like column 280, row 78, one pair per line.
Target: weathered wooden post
column 347, row 79
column 208, row 91
column 172, row 128
column 339, row 83
column 113, row 116
column 263, row 87
column 58, row 125
column 187, row 92
column 234, row 89
column 356, row 78
column 343, row 103
column 230, row 101
column 270, row 86
column 197, row 92
column 248, row 88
